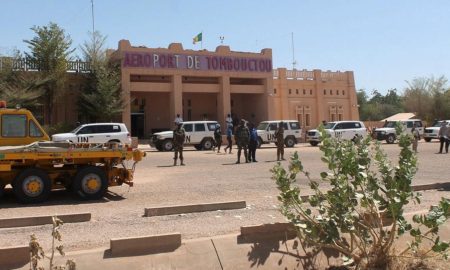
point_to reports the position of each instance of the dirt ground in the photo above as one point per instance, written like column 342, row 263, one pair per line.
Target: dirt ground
column 207, row 177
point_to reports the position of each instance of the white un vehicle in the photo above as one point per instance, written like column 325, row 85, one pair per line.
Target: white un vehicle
column 292, row 132
column 200, row 134
column 388, row 132
column 347, row 130
column 96, row 133
column 433, row 131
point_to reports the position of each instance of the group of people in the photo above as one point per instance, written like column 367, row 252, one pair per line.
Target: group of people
column 245, row 136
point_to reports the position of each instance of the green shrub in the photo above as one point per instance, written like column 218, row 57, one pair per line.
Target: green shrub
column 364, row 187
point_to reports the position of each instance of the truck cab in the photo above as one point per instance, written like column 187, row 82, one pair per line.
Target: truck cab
column 19, row 127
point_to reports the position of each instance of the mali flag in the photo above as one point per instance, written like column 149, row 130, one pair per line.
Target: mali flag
column 197, row 38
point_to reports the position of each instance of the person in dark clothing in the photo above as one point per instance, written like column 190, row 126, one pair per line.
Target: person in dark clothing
column 242, row 137
column 179, row 136
column 229, row 139
column 279, row 134
column 442, row 136
column 253, row 143
column 218, row 138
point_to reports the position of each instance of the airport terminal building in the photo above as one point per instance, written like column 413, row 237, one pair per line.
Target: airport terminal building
column 159, row 83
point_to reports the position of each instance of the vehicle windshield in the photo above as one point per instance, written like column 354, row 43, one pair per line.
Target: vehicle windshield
column 262, row 126
column 329, row 125
column 438, row 124
column 76, row 129
column 390, row 124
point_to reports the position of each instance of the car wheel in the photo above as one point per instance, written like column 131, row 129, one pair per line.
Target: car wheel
column 313, row 143
column 167, row 145
column 198, row 146
column 90, row 183
column 207, row 144
column 289, row 142
column 32, row 186
column 427, row 139
column 259, row 142
column 390, row 139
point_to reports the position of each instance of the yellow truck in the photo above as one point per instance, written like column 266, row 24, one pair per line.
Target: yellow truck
column 33, row 166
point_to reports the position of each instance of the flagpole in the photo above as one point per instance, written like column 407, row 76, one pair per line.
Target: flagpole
column 201, row 41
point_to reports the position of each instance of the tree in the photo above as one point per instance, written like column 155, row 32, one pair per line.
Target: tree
column 101, row 99
column 364, row 188
column 417, row 98
column 50, row 50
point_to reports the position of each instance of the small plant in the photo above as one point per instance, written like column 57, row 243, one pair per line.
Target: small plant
column 37, row 252
column 364, row 188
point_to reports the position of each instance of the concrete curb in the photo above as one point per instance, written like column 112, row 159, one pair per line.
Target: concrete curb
column 190, row 208
column 13, row 257
column 42, row 220
column 445, row 185
column 270, row 230
column 133, row 246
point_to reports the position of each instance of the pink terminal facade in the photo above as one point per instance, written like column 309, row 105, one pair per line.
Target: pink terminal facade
column 159, row 83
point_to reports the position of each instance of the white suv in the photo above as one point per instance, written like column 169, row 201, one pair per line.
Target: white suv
column 266, row 132
column 388, row 132
column 200, row 134
column 96, row 133
column 346, row 130
column 433, row 131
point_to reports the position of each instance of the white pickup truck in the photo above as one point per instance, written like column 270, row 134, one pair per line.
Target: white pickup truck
column 200, row 134
column 266, row 132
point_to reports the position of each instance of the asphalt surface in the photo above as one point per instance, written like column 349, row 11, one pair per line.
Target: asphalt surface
column 207, row 177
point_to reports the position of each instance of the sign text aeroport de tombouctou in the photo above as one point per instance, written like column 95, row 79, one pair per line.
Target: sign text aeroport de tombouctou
column 196, row 62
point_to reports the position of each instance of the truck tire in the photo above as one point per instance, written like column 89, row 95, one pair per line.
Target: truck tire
column 289, row 141
column 428, row 139
column 312, row 143
column 390, row 139
column 167, row 145
column 207, row 144
column 2, row 189
column 32, row 186
column 90, row 183
column 198, row 146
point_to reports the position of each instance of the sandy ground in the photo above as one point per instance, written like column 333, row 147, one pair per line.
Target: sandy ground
column 207, row 177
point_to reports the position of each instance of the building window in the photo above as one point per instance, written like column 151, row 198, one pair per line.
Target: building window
column 310, row 91
column 324, row 91
column 290, row 91
column 304, row 91
column 340, row 117
column 274, row 90
column 331, row 92
column 343, row 92
column 337, row 92
column 296, row 91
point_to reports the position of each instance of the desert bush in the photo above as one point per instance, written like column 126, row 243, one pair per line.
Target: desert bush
column 364, row 188
column 37, row 252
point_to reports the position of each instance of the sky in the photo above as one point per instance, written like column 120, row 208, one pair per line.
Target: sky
column 384, row 42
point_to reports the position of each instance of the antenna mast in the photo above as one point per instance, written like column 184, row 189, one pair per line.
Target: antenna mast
column 293, row 53
column 92, row 10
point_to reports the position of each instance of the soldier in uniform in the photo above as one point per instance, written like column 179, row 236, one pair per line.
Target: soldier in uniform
column 242, row 137
column 179, row 136
column 279, row 134
column 217, row 138
column 416, row 137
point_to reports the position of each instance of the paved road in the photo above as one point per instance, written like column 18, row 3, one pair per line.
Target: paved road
column 208, row 177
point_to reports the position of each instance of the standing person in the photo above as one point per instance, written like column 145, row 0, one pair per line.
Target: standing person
column 447, row 139
column 218, row 138
column 416, row 137
column 242, row 137
column 229, row 139
column 442, row 135
column 178, row 119
column 179, row 136
column 279, row 134
column 229, row 120
column 253, row 143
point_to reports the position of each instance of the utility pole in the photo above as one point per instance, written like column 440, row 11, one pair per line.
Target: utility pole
column 92, row 10
column 293, row 53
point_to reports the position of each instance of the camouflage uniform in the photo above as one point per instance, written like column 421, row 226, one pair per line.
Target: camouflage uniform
column 242, row 137
column 179, row 136
column 217, row 138
column 279, row 134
